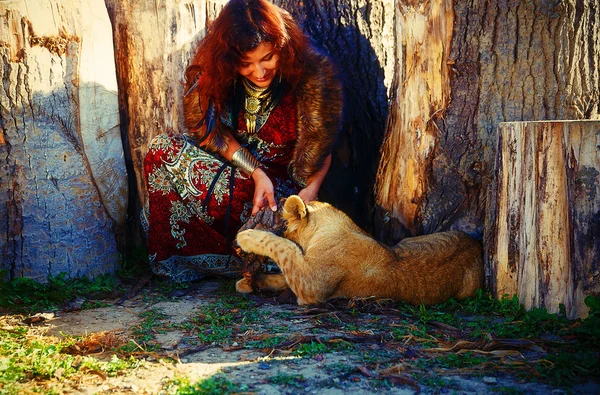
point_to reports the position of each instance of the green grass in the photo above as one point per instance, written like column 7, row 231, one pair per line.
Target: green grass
column 288, row 380
column 310, row 349
column 143, row 332
column 24, row 295
column 573, row 356
column 231, row 314
column 268, row 342
column 339, row 368
column 27, row 359
column 214, row 385
column 566, row 351
column 458, row 361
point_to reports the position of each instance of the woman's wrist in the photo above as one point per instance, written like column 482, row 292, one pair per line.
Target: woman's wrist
column 243, row 160
column 257, row 173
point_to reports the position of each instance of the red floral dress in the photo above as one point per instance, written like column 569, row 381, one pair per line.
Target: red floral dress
column 195, row 204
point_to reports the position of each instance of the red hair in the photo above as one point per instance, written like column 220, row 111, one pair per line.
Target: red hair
column 240, row 27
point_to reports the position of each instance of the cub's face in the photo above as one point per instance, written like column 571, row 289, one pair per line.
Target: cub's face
column 309, row 221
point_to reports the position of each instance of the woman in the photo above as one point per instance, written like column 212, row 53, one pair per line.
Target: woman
column 263, row 109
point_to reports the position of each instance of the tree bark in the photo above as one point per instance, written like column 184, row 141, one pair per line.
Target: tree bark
column 422, row 94
column 544, row 215
column 509, row 61
column 62, row 177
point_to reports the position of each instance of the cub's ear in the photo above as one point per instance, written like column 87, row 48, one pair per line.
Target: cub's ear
column 294, row 208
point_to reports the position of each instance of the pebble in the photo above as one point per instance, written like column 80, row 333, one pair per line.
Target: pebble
column 264, row 366
column 489, row 380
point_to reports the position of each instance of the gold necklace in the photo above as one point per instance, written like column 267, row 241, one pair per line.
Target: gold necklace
column 255, row 99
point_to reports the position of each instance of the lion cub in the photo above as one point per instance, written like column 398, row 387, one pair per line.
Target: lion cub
column 324, row 255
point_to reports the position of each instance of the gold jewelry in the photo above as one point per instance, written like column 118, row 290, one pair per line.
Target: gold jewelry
column 243, row 160
column 255, row 100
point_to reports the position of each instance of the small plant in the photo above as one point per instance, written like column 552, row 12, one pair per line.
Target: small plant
column 339, row 368
column 436, row 382
column 215, row 385
column 216, row 323
column 310, row 349
column 268, row 342
column 289, row 380
column 144, row 332
column 457, row 361
column 590, row 327
column 424, row 315
column 28, row 360
column 565, row 368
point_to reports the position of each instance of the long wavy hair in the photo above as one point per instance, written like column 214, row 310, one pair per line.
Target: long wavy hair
column 240, row 27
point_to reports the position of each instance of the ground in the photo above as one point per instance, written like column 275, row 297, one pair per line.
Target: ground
column 205, row 338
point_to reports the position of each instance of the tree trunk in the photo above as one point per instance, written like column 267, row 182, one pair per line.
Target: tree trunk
column 62, row 177
column 454, row 71
column 508, row 61
column 544, row 217
column 422, row 94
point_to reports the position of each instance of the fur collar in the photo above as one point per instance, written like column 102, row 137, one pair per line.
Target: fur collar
column 319, row 113
column 319, row 102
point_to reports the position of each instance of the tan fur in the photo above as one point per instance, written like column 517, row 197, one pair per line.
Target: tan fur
column 324, row 255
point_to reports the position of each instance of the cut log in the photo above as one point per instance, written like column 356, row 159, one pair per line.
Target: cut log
column 543, row 222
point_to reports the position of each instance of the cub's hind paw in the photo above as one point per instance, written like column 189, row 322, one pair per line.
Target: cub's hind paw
column 244, row 286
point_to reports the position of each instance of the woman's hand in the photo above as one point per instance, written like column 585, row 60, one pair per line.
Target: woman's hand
column 309, row 193
column 264, row 194
column 313, row 183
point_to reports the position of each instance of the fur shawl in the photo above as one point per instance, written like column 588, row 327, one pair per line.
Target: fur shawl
column 319, row 112
column 319, row 101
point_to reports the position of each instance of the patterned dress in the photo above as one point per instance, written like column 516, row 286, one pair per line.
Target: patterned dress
column 195, row 203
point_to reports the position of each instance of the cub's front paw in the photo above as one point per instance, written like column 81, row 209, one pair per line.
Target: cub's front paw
column 249, row 239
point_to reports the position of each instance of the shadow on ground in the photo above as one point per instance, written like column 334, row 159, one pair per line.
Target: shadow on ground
column 205, row 338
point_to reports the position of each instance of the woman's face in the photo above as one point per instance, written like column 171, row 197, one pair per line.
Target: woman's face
column 260, row 65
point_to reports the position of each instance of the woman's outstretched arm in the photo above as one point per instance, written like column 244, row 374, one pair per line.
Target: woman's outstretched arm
column 264, row 192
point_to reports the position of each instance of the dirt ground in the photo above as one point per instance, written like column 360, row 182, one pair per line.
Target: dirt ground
column 265, row 346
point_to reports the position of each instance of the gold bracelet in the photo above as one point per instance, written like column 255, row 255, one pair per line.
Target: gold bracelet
column 243, row 160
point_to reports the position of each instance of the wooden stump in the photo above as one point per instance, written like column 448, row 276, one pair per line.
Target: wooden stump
column 543, row 221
